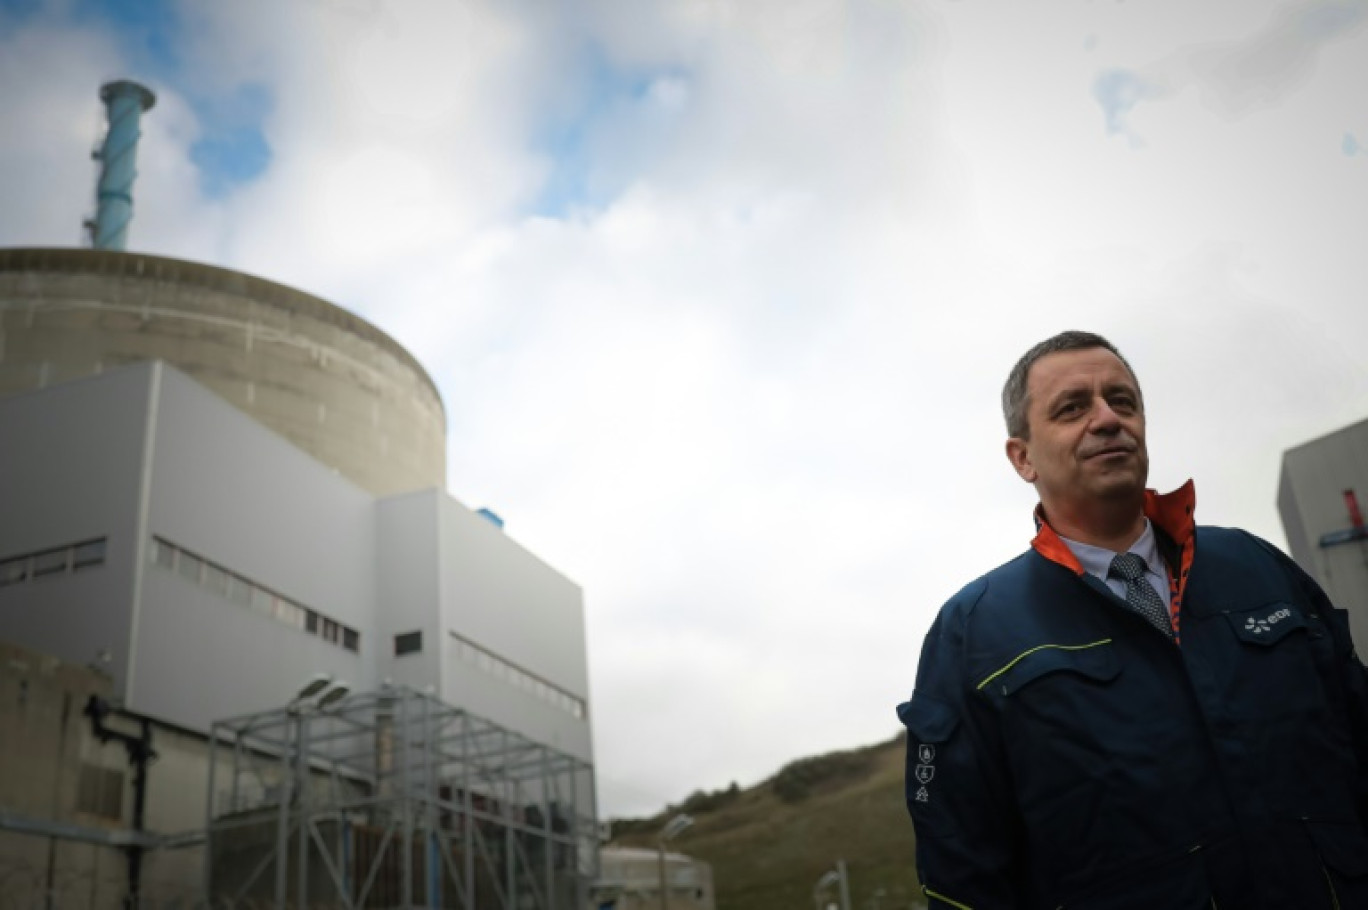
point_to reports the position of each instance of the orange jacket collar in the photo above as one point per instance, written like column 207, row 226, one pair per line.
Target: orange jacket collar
column 1172, row 512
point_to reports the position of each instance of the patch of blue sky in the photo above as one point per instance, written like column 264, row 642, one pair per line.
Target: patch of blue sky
column 576, row 180
column 1117, row 92
column 147, row 31
column 19, row 10
column 232, row 150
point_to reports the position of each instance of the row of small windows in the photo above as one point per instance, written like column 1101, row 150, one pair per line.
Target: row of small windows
column 517, row 677
column 247, row 593
column 73, row 557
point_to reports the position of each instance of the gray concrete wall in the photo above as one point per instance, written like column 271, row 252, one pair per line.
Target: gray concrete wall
column 1311, row 503
column 41, row 702
column 70, row 469
column 330, row 382
column 231, row 491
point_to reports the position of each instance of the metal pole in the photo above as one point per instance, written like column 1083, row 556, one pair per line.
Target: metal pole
column 283, row 823
column 468, row 833
column 406, row 796
column 303, row 789
column 845, row 884
column 548, row 831
column 209, row 814
column 664, row 897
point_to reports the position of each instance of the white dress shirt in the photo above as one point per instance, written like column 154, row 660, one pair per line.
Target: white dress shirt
column 1097, row 561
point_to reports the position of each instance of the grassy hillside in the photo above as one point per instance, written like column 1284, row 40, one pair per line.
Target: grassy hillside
column 769, row 844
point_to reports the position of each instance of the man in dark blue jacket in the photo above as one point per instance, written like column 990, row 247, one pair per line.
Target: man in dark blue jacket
column 1138, row 713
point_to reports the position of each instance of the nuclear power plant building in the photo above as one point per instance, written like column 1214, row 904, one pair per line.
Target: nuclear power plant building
column 214, row 488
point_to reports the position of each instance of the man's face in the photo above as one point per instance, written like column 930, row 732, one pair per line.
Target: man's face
column 1087, row 431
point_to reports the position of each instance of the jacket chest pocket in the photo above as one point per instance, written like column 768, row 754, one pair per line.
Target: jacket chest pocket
column 1267, row 625
column 1269, row 670
column 1094, row 662
column 1053, row 688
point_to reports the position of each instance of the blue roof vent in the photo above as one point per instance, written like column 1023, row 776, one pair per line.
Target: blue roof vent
column 489, row 516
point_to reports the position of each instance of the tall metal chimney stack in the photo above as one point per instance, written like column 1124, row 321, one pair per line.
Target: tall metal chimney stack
column 125, row 102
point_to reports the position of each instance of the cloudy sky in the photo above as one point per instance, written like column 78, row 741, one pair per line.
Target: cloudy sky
column 720, row 293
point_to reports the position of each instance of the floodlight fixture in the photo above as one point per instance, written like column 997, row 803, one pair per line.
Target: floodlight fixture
column 338, row 691
column 676, row 826
column 317, row 683
column 829, row 878
column 673, row 828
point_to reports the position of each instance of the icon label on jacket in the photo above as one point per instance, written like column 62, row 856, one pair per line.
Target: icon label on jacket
column 1260, row 626
column 925, row 773
column 923, row 796
column 926, row 753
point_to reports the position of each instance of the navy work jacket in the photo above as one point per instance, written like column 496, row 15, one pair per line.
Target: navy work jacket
column 1063, row 753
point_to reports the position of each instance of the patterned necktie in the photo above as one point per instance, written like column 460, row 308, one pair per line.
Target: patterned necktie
column 1140, row 594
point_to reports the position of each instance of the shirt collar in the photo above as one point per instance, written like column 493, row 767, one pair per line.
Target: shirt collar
column 1171, row 512
column 1097, row 560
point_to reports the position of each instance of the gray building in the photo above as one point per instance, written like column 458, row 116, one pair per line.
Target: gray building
column 213, row 488
column 631, row 878
column 1319, row 490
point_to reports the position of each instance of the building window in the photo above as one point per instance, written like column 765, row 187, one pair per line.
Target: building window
column 408, row 643
column 163, row 554
column 500, row 668
column 239, row 591
column 216, row 580
column 75, row 557
column 232, row 587
column 263, row 601
column 189, row 566
column 13, row 571
column 88, row 554
column 289, row 613
column 50, row 562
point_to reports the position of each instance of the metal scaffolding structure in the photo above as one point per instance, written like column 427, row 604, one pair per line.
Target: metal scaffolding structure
column 393, row 799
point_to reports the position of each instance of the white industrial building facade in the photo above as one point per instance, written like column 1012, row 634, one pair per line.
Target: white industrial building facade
column 212, row 567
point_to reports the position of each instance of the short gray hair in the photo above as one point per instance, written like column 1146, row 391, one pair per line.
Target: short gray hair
column 1015, row 401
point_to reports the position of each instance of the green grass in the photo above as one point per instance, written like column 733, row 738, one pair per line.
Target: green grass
column 770, row 843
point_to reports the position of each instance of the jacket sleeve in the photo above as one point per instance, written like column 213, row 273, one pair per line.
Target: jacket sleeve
column 968, row 838
column 1348, row 671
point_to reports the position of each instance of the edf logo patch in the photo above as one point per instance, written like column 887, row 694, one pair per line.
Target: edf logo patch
column 1260, row 626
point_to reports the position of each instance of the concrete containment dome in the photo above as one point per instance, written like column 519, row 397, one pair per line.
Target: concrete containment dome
column 332, row 383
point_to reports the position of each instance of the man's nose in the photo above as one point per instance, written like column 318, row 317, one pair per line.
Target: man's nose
column 1104, row 419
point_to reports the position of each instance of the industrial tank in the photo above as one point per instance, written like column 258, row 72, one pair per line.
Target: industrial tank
column 332, row 383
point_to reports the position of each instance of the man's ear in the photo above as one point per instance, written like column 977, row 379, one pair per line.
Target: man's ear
column 1019, row 454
